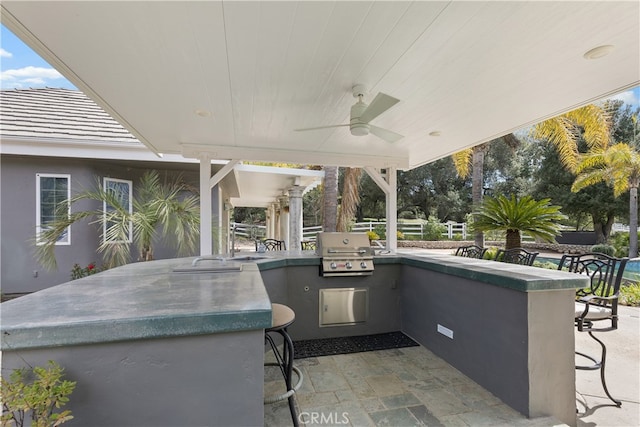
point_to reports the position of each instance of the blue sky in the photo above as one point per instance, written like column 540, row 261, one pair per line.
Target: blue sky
column 21, row 67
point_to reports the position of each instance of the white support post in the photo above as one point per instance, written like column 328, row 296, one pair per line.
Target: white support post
column 205, row 206
column 295, row 218
column 207, row 182
column 388, row 185
column 392, row 210
column 284, row 219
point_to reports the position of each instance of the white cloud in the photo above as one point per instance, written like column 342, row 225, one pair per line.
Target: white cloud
column 5, row 54
column 628, row 97
column 28, row 76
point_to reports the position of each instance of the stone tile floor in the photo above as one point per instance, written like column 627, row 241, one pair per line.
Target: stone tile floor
column 399, row 387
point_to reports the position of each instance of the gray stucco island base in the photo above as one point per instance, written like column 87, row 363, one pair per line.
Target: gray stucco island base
column 149, row 346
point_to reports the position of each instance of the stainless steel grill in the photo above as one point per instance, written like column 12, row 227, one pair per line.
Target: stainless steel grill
column 345, row 254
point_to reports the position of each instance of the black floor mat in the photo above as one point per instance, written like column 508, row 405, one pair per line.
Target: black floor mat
column 345, row 345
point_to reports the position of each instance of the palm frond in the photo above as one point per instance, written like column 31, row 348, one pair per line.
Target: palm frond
column 535, row 217
column 596, row 124
column 618, row 166
column 462, row 162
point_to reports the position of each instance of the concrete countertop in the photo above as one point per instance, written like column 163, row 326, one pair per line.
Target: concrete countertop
column 513, row 276
column 149, row 300
column 138, row 301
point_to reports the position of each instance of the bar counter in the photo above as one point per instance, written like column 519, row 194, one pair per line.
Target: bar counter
column 143, row 338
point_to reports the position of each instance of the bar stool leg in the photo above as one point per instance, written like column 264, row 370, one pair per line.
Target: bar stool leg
column 288, row 358
column 285, row 362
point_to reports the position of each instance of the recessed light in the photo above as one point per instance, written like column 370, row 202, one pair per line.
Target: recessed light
column 203, row 113
column 598, row 52
column 435, row 133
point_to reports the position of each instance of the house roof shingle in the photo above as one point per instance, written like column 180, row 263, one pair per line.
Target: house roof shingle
column 60, row 114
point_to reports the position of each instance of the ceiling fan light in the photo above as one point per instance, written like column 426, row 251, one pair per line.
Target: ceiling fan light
column 359, row 129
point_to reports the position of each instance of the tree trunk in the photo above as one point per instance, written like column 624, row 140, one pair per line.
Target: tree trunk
column 598, row 229
column 633, row 221
column 513, row 239
column 330, row 199
column 477, row 185
column 602, row 228
column 350, row 198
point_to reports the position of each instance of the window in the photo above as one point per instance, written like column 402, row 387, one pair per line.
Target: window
column 121, row 191
column 51, row 190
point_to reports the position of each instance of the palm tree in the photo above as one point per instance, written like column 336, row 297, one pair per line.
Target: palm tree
column 591, row 122
column 330, row 199
column 619, row 166
column 159, row 209
column 471, row 160
column 350, row 198
column 515, row 215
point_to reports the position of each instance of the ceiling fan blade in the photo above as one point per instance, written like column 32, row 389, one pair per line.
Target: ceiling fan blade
column 381, row 103
column 385, row 134
column 320, row 127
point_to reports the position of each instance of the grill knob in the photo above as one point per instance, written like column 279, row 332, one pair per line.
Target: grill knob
column 333, row 265
column 348, row 265
column 363, row 264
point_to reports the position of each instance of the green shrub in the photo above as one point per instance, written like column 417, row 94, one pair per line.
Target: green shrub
column 381, row 231
column 490, row 253
column 604, row 249
column 38, row 392
column 630, row 294
column 620, row 241
column 433, row 229
column 78, row 272
column 372, row 235
column 545, row 264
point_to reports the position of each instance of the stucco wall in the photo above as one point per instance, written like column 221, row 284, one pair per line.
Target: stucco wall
column 20, row 272
column 213, row 380
column 299, row 287
column 518, row 345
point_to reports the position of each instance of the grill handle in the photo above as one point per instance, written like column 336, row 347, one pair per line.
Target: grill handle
column 338, row 251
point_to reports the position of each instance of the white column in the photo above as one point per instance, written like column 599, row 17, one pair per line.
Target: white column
column 284, row 219
column 295, row 218
column 272, row 220
column 276, row 220
column 205, row 206
column 392, row 209
column 388, row 183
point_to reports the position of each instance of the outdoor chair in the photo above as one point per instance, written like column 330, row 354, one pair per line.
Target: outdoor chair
column 471, row 251
column 596, row 308
column 516, row 256
column 308, row 245
column 271, row 244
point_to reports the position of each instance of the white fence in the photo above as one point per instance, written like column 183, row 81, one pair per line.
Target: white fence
column 453, row 229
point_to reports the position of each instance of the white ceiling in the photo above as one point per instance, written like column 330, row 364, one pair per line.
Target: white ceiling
column 259, row 186
column 472, row 71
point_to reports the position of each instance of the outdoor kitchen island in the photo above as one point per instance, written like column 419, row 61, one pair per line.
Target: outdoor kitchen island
column 199, row 359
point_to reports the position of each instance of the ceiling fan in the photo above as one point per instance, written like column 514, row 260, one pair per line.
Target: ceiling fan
column 362, row 114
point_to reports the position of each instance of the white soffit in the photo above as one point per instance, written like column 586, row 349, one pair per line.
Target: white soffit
column 259, row 186
column 233, row 79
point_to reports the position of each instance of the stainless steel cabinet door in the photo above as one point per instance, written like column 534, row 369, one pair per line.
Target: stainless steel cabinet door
column 343, row 306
